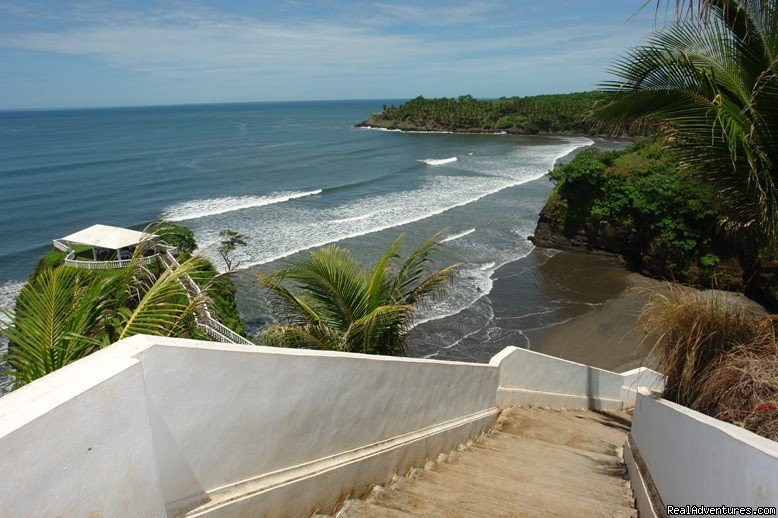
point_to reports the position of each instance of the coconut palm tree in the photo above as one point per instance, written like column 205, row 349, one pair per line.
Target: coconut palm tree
column 66, row 313
column 329, row 301
column 709, row 82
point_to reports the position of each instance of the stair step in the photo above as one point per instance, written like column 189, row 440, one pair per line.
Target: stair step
column 488, row 481
column 364, row 509
column 504, row 499
column 542, row 463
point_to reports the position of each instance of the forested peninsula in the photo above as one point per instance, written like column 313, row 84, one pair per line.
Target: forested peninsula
column 636, row 205
column 562, row 114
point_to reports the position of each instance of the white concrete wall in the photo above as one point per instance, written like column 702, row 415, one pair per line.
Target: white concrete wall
column 80, row 443
column 153, row 426
column 694, row 459
column 261, row 410
column 532, row 378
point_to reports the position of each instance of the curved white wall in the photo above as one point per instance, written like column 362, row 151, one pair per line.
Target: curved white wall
column 532, row 378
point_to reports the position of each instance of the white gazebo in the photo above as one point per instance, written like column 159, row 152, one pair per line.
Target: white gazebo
column 103, row 246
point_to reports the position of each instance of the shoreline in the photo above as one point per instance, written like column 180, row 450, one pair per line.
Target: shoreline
column 478, row 131
column 610, row 335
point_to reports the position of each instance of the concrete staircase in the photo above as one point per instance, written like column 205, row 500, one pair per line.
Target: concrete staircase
column 538, row 462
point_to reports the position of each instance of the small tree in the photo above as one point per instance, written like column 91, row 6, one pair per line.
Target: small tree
column 230, row 242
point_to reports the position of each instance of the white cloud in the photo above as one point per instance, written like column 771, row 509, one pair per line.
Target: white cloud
column 345, row 53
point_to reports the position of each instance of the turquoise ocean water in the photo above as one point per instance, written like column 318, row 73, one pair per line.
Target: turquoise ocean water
column 290, row 176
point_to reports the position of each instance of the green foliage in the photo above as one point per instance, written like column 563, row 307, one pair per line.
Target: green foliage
column 67, row 313
column 231, row 240
column 222, row 293
column 329, row 301
column 180, row 237
column 564, row 113
column 710, row 84
column 641, row 203
column 64, row 313
column 48, row 261
column 56, row 315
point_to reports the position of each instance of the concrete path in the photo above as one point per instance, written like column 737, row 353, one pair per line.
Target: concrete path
column 539, row 463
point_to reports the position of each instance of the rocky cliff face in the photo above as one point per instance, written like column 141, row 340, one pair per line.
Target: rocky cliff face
column 758, row 280
column 550, row 233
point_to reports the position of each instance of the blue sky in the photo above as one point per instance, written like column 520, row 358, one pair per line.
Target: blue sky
column 119, row 53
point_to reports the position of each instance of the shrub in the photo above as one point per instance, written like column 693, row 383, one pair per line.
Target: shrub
column 717, row 357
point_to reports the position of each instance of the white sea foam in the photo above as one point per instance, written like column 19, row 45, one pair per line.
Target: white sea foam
column 439, row 161
column 284, row 229
column 213, row 206
column 8, row 293
column 374, row 128
column 454, row 237
column 474, row 281
column 353, row 218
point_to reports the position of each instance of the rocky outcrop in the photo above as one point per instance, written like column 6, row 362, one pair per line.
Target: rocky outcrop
column 550, row 233
column 758, row 281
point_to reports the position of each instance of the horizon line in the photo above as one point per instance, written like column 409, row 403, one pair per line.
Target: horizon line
column 170, row 105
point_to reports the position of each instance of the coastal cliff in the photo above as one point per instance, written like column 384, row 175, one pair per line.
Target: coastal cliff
column 637, row 207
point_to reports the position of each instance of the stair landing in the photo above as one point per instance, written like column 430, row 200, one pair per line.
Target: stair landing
column 538, row 462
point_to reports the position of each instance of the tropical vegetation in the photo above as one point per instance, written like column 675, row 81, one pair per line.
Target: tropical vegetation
column 709, row 82
column 230, row 242
column 329, row 300
column 638, row 203
column 564, row 113
column 64, row 313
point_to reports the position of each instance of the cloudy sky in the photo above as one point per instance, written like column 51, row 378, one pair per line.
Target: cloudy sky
column 116, row 53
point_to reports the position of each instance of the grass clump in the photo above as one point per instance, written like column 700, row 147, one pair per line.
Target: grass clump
column 718, row 358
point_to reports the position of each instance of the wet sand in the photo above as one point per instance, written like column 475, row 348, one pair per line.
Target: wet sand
column 574, row 306
column 596, row 307
column 611, row 336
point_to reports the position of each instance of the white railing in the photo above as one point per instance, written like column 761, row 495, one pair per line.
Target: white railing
column 59, row 245
column 228, row 333
column 205, row 321
column 92, row 264
column 107, row 265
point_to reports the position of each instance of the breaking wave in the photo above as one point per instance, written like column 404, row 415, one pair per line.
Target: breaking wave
column 454, row 237
column 439, row 161
column 289, row 228
column 196, row 209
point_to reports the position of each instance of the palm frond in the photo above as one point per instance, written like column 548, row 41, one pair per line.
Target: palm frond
column 163, row 305
column 54, row 317
column 330, row 302
column 711, row 86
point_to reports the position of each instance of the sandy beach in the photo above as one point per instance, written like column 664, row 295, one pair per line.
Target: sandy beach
column 609, row 334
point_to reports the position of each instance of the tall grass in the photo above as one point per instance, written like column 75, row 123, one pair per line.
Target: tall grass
column 718, row 358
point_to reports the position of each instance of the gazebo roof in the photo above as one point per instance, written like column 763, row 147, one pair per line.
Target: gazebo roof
column 104, row 236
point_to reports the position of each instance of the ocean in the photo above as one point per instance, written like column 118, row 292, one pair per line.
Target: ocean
column 292, row 177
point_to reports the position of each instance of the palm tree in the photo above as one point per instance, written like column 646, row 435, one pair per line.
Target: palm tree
column 709, row 82
column 66, row 313
column 341, row 306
